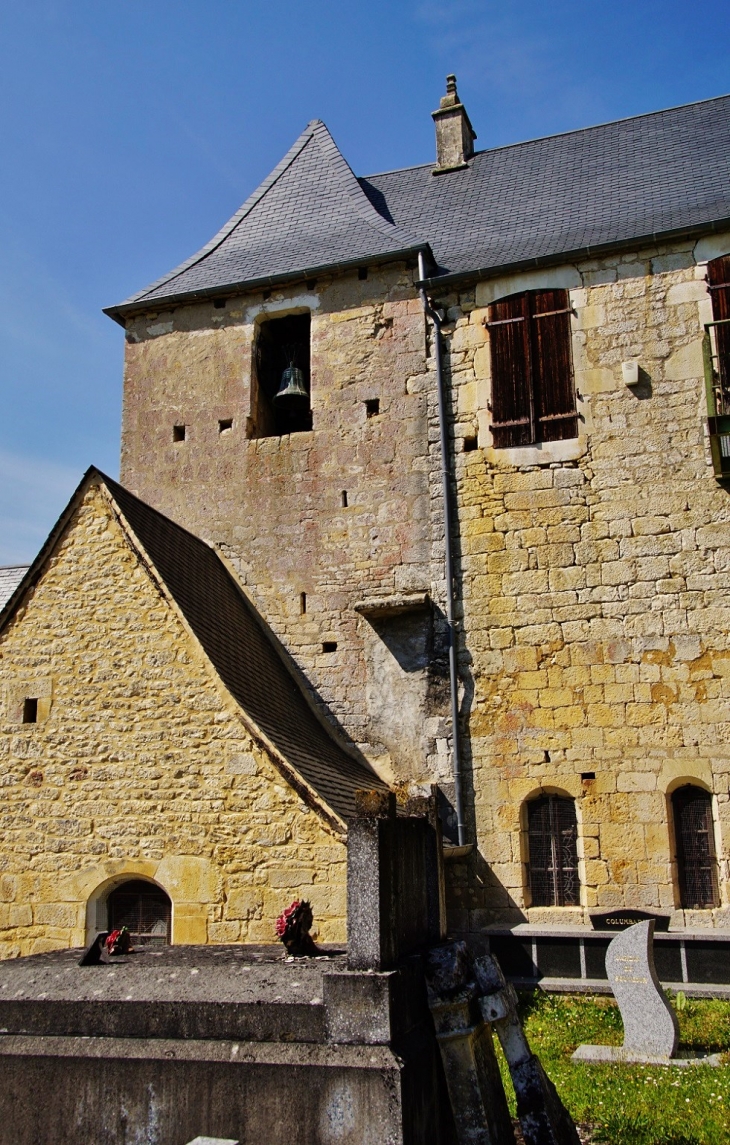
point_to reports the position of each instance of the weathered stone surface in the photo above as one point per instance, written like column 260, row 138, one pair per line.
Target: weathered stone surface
column 214, row 1141
column 127, row 775
column 394, row 875
column 544, row 1120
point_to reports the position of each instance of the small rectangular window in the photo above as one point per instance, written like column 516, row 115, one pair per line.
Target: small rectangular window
column 533, row 395
column 219, row 303
column 329, row 646
column 362, row 273
column 30, row 710
column 225, row 424
column 372, row 407
column 280, row 389
column 344, row 498
column 178, row 433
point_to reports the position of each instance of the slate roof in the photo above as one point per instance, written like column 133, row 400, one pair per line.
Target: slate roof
column 570, row 194
column 310, row 213
column 242, row 649
column 10, row 578
column 545, row 200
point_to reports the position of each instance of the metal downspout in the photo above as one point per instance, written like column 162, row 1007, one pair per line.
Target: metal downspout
column 449, row 562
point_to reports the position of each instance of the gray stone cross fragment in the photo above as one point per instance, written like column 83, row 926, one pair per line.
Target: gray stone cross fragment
column 651, row 1032
column 543, row 1118
column 467, row 1000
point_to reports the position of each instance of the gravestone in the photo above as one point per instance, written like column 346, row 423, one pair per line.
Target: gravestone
column 650, row 1025
column 621, row 919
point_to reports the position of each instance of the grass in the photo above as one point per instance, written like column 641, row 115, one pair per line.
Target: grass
column 633, row 1104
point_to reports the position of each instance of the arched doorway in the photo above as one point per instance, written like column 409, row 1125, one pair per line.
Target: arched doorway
column 144, row 909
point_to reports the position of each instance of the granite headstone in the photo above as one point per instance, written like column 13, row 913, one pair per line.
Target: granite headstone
column 651, row 1033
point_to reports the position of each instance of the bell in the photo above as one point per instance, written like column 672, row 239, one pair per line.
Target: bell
column 292, row 386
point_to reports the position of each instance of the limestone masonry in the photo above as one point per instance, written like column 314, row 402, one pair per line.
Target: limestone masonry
column 591, row 570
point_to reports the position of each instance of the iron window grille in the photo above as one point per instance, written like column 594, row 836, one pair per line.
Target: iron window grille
column 533, row 393
column 695, row 842
column 144, row 909
column 552, row 831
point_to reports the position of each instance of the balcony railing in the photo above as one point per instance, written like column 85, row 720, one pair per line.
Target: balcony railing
column 716, row 355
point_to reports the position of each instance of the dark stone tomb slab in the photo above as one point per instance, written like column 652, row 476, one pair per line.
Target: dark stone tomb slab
column 621, row 919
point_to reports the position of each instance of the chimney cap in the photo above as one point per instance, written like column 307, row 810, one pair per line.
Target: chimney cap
column 454, row 133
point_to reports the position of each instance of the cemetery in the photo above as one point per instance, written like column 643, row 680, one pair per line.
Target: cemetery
column 403, row 1037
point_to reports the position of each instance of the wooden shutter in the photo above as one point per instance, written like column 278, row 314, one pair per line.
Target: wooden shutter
column 509, row 337
column 552, row 372
column 553, row 854
column 695, row 838
column 533, row 396
column 718, row 280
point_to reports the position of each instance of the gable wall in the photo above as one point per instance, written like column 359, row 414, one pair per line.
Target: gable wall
column 275, row 504
column 596, row 593
column 141, row 768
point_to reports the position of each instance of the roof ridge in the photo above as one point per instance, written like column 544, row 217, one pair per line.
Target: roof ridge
column 559, row 134
column 350, row 184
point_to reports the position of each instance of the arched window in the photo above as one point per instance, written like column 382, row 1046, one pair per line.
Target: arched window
column 695, row 841
column 533, row 395
column 144, row 909
column 552, row 836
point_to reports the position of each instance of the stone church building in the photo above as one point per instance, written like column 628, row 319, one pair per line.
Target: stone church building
column 424, row 481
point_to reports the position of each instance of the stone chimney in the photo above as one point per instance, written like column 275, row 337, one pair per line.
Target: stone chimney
column 454, row 133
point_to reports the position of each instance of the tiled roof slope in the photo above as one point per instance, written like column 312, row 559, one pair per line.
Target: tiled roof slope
column 236, row 640
column 601, row 186
column 10, row 578
column 628, row 180
column 310, row 213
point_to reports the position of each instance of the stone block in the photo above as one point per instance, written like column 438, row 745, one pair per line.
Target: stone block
column 244, row 903
column 685, row 363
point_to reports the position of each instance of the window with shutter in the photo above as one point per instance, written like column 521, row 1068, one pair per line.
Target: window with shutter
column 533, row 396
column 718, row 281
column 695, row 841
column 552, row 837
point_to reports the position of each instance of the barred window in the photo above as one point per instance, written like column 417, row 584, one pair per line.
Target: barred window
column 144, row 909
column 552, row 836
column 695, row 842
column 533, row 395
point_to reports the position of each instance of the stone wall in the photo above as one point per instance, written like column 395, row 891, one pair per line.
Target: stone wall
column 139, row 766
column 275, row 504
column 594, row 572
column 595, row 578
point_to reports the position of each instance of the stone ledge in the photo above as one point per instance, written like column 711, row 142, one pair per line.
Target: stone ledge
column 385, row 605
column 601, row 986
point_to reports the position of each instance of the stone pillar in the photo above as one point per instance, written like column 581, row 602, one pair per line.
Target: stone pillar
column 394, row 882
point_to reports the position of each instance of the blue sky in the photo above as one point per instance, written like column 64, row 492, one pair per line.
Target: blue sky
column 131, row 131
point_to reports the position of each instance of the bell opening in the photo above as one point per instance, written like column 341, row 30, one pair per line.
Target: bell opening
column 280, row 392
